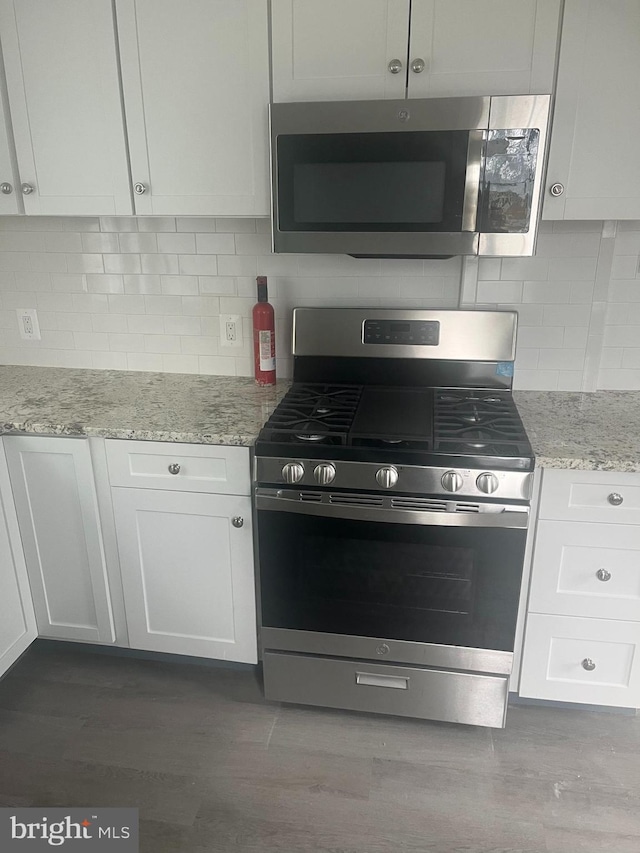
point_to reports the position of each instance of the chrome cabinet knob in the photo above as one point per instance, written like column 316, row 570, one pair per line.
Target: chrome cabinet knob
column 293, row 472
column 139, row 189
column 387, row 477
column 487, row 483
column 6, row 188
column 451, row 481
column 174, row 468
column 417, row 66
column 324, row 473
column 603, row 575
column 27, row 189
column 395, row 66
column 615, row 499
column 556, row 190
column 237, row 521
column 588, row 664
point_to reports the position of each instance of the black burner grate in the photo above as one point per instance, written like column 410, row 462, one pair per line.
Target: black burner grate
column 472, row 422
column 314, row 414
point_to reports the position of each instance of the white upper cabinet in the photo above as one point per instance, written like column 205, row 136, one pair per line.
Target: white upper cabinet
column 62, row 78
column 596, row 123
column 10, row 201
column 195, row 76
column 344, row 49
column 339, row 49
column 482, row 47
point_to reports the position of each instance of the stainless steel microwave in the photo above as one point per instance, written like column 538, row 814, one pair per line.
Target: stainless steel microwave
column 409, row 178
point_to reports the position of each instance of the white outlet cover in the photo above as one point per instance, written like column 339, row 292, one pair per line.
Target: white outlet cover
column 236, row 321
column 28, row 325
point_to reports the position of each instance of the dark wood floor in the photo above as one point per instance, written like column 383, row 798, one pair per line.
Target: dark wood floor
column 213, row 767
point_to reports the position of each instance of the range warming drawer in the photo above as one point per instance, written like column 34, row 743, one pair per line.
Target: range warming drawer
column 434, row 694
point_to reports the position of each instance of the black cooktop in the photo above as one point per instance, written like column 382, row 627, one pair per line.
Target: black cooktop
column 423, row 426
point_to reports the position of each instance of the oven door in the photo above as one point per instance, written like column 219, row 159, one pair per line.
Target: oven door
column 376, row 178
column 342, row 576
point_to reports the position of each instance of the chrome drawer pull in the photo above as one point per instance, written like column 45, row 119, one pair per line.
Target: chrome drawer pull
column 174, row 468
column 588, row 664
column 615, row 499
column 370, row 679
column 603, row 575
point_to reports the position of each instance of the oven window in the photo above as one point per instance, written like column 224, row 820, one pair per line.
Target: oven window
column 409, row 181
column 448, row 585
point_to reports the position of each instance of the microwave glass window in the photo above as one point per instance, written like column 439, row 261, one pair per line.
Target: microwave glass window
column 507, row 187
column 409, row 181
column 362, row 192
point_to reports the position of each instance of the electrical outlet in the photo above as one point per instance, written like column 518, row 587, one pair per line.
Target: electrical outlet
column 230, row 330
column 28, row 324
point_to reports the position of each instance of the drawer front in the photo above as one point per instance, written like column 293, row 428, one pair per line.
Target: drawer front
column 459, row 697
column 181, row 467
column 596, row 496
column 586, row 570
column 592, row 661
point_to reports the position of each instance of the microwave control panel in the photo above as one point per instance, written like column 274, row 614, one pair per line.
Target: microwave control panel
column 424, row 333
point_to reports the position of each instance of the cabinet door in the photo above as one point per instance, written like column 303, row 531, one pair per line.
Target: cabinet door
column 596, row 123
column 17, row 619
column 10, row 199
column 64, row 93
column 493, row 47
column 187, row 572
column 195, row 75
column 57, row 511
column 327, row 50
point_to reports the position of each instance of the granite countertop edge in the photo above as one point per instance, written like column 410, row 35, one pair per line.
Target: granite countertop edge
column 571, row 430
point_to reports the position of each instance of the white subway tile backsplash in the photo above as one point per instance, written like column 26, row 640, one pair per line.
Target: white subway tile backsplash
column 146, row 361
column 62, row 241
column 145, row 324
column 167, row 264
column 126, row 342
column 198, row 264
column 104, row 283
column 122, row 263
column 499, row 291
column 109, row 322
column 109, row 288
column 84, row 263
column 179, row 285
column 176, row 243
column 103, row 243
column 217, row 244
column 621, row 380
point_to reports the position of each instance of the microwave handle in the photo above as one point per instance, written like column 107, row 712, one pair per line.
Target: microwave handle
column 473, row 176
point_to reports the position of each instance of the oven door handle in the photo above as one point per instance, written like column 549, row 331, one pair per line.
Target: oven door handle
column 497, row 516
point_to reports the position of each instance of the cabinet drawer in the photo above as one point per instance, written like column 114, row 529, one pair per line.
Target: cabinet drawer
column 586, row 570
column 559, row 652
column 591, row 496
column 461, row 697
column 180, row 467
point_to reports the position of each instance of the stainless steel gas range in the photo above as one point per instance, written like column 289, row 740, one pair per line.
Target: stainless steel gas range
column 392, row 499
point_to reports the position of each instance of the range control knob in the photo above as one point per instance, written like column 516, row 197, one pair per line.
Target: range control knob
column 387, row 477
column 487, row 483
column 451, row 481
column 324, row 473
column 293, row 472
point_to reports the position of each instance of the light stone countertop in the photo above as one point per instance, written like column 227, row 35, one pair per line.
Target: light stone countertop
column 126, row 404
column 598, row 431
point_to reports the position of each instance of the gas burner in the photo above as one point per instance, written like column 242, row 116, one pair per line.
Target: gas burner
column 310, row 436
column 393, row 440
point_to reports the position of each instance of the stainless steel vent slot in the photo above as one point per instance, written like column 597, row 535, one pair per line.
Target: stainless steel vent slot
column 418, row 504
column 311, row 497
column 355, row 500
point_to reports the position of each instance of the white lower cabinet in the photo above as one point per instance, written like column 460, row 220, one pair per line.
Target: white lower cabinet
column 186, row 552
column 56, row 505
column 582, row 634
column 17, row 619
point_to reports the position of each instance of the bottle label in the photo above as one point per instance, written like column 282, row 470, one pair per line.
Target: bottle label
column 267, row 361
